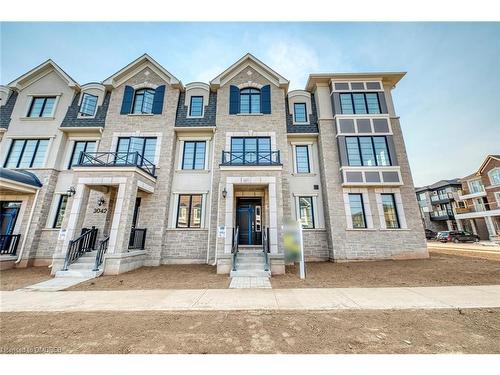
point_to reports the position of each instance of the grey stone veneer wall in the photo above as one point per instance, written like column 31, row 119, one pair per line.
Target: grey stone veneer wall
column 315, row 244
column 71, row 119
column 209, row 114
column 188, row 245
column 312, row 127
column 6, row 110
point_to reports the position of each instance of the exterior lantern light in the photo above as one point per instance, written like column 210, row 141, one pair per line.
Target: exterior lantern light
column 224, row 193
column 71, row 191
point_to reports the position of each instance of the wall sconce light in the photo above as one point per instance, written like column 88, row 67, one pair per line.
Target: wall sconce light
column 224, row 193
column 71, row 191
column 100, row 201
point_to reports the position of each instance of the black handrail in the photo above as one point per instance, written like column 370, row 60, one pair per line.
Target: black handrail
column 137, row 238
column 8, row 243
column 251, row 158
column 103, row 247
column 114, row 159
column 265, row 247
column 234, row 249
column 78, row 247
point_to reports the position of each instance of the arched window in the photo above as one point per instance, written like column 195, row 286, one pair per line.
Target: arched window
column 494, row 176
column 143, row 101
column 250, row 100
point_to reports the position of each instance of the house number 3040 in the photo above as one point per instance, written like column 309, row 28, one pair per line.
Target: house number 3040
column 100, row 210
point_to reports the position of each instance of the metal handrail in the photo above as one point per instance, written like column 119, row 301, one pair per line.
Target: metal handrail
column 251, row 158
column 8, row 243
column 137, row 238
column 234, row 249
column 114, row 159
column 265, row 247
column 79, row 246
column 103, row 247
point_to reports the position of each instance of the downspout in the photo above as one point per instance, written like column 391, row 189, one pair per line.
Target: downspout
column 218, row 210
column 211, row 196
column 19, row 257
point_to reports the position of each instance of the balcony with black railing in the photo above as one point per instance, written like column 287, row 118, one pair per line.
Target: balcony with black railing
column 442, row 214
column 116, row 159
column 250, row 158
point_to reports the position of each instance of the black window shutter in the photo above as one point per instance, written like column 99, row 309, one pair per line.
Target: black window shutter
column 234, row 100
column 265, row 98
column 158, row 100
column 128, row 97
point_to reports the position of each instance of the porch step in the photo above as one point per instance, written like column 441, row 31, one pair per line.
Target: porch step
column 250, row 266
column 250, row 273
column 79, row 273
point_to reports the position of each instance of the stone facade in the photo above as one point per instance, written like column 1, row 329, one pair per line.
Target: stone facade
column 121, row 199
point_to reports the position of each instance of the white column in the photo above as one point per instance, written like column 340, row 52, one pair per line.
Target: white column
column 473, row 225
column 490, row 226
column 75, row 219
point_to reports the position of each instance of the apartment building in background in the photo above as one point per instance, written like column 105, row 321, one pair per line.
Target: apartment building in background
column 145, row 170
column 437, row 204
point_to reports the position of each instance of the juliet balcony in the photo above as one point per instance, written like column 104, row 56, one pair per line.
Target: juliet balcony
column 251, row 158
column 116, row 160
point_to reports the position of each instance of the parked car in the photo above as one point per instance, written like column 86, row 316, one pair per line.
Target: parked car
column 458, row 236
column 441, row 235
column 430, row 234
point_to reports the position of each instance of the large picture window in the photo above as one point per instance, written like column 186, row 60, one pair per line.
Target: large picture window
column 27, row 153
column 42, row 106
column 359, row 103
column 189, row 211
column 357, row 211
column 306, row 212
column 194, row 155
column 390, row 212
column 143, row 101
column 81, row 146
column 367, row 151
column 250, row 100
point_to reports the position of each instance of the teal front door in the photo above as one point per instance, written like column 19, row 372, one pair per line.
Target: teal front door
column 247, row 211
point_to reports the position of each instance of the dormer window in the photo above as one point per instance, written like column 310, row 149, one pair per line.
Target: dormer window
column 42, row 106
column 88, row 105
column 196, row 106
column 143, row 101
column 250, row 100
column 300, row 112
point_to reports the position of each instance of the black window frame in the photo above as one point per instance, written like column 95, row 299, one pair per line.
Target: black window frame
column 70, row 165
column 295, row 113
column 250, row 94
column 191, row 105
column 297, row 160
column 373, row 150
column 393, row 197
column 365, row 225
column 189, row 211
column 34, row 98
column 312, row 211
column 143, row 145
column 257, row 150
column 141, row 91
column 351, row 94
column 194, row 155
column 25, row 140
column 58, row 211
column 83, row 114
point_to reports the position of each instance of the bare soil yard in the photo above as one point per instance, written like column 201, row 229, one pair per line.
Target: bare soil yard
column 409, row 331
column 20, row 277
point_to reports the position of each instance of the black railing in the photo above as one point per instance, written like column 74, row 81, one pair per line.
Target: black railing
column 234, row 249
column 116, row 159
column 266, row 247
column 251, row 158
column 8, row 243
column 103, row 247
column 78, row 247
column 137, row 239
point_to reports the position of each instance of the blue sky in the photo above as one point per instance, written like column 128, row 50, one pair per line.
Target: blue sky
column 449, row 102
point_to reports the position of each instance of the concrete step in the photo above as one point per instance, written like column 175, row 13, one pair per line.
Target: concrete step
column 250, row 254
column 250, row 267
column 79, row 273
column 85, row 260
column 81, row 266
column 90, row 254
column 250, row 273
column 250, row 262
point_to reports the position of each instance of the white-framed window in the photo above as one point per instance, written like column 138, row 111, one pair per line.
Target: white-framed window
column 357, row 208
column 193, row 155
column 307, row 210
column 475, row 186
column 497, row 197
column 302, row 153
column 494, row 176
column 300, row 113
column 188, row 210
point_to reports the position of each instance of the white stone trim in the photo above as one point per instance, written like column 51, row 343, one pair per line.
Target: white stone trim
column 399, row 207
column 175, row 210
column 180, row 154
column 309, row 145
column 366, row 206
column 315, row 208
column 492, row 184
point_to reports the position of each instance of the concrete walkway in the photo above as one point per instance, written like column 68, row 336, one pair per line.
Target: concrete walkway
column 487, row 296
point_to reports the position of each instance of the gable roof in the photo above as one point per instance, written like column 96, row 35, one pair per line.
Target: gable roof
column 486, row 161
column 39, row 72
column 246, row 61
column 138, row 64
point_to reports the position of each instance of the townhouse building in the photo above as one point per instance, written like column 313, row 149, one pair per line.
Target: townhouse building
column 479, row 212
column 437, row 204
column 145, row 170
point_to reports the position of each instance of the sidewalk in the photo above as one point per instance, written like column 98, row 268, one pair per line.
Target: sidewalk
column 487, row 296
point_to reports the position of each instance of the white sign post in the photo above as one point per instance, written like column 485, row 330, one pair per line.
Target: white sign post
column 302, row 264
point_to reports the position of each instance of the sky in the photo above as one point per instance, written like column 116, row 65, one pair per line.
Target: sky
column 448, row 103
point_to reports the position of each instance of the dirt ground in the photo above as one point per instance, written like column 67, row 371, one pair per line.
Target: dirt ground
column 409, row 331
column 439, row 270
column 20, row 277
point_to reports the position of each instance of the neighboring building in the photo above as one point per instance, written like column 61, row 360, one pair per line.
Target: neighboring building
column 166, row 172
column 480, row 211
column 437, row 203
